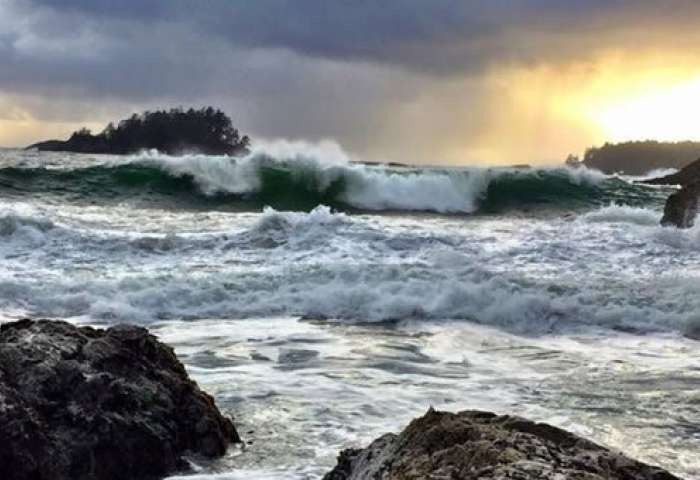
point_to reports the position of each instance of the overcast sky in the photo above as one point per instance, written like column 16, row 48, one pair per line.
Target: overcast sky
column 427, row 81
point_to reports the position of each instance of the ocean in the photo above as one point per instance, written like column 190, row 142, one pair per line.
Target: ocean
column 324, row 302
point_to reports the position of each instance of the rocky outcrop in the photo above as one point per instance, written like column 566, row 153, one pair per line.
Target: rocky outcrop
column 481, row 445
column 83, row 403
column 682, row 207
column 687, row 175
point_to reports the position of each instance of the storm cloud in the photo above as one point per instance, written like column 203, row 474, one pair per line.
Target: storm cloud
column 358, row 71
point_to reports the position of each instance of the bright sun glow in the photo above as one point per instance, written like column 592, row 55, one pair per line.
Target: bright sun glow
column 669, row 114
column 541, row 113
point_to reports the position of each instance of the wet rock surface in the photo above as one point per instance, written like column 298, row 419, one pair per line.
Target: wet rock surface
column 83, row 403
column 682, row 207
column 685, row 176
column 481, row 445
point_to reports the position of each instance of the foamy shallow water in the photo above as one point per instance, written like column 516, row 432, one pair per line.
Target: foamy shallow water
column 322, row 330
column 303, row 390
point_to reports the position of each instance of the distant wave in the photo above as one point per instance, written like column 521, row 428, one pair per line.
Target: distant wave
column 303, row 178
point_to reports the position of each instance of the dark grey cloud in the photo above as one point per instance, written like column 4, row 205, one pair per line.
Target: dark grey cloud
column 150, row 48
column 434, row 35
column 109, row 8
column 439, row 36
column 309, row 68
column 444, row 37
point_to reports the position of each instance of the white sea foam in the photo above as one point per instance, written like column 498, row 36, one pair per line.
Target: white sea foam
column 651, row 174
column 294, row 281
column 25, row 229
column 12, row 223
column 624, row 214
column 680, row 239
column 332, row 265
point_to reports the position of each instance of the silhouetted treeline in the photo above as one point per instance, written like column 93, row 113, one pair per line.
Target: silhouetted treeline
column 206, row 130
column 638, row 158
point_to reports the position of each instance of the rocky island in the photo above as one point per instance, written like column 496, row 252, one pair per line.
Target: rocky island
column 207, row 130
column 638, row 157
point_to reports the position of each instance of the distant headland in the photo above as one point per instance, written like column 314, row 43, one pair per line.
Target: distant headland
column 638, row 158
column 175, row 131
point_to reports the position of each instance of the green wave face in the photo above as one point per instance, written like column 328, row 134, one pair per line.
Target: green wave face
column 289, row 185
column 298, row 189
column 556, row 189
column 141, row 184
column 98, row 181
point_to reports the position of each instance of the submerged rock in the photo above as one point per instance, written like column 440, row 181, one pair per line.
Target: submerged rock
column 82, row 403
column 692, row 331
column 481, row 445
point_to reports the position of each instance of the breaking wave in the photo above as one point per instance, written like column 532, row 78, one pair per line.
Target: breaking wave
column 302, row 178
column 331, row 265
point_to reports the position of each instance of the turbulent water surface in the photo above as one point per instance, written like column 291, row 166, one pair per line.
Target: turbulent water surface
column 325, row 302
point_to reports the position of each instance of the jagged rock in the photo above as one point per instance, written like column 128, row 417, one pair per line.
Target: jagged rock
column 82, row 403
column 687, row 175
column 682, row 207
column 474, row 445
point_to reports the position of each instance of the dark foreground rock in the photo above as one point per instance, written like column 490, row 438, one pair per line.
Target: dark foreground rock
column 481, row 445
column 82, row 403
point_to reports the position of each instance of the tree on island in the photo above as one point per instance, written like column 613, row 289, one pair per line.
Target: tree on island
column 175, row 131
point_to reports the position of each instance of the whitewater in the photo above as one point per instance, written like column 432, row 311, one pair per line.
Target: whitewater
column 324, row 302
